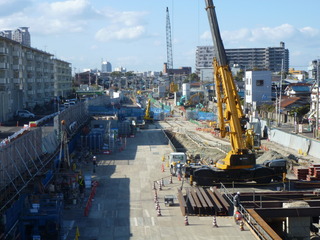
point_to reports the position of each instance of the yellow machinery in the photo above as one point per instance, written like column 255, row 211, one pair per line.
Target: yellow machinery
column 231, row 119
column 240, row 163
column 194, row 99
column 148, row 116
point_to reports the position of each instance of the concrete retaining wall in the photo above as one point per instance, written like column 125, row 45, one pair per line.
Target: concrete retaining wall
column 303, row 145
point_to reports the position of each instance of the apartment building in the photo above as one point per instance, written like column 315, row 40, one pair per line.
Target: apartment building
column 21, row 35
column 28, row 77
column 248, row 58
column 62, row 78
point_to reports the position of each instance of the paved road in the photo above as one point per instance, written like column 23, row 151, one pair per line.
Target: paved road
column 124, row 205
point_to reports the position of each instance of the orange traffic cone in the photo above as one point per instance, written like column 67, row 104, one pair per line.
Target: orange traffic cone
column 241, row 225
column 159, row 211
column 155, row 196
column 186, row 221
column 162, row 167
column 214, row 221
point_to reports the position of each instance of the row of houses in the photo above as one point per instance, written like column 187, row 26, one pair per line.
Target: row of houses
column 30, row 77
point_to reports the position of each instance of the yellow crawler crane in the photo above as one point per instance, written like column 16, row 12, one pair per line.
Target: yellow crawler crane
column 240, row 163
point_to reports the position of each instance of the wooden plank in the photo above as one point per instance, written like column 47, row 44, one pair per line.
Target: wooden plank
column 221, row 198
column 195, row 197
column 182, row 203
column 203, row 202
column 217, row 204
column 204, row 194
column 264, row 225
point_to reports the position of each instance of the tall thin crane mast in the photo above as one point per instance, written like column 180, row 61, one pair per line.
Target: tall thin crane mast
column 169, row 43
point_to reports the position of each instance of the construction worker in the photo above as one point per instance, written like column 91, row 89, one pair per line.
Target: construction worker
column 81, row 184
column 174, row 168
column 179, row 168
column 236, row 203
column 94, row 162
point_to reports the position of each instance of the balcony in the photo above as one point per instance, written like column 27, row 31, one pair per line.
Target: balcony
column 4, row 65
column 3, row 50
column 16, row 67
column 16, row 53
column 40, row 91
column 30, row 68
column 4, row 81
column 17, row 80
column 29, row 56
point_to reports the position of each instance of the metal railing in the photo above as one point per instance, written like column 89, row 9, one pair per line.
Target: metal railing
column 254, row 225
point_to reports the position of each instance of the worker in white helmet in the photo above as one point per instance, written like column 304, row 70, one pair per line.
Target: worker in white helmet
column 94, row 162
column 236, row 203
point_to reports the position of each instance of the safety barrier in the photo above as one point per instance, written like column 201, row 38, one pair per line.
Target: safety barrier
column 91, row 197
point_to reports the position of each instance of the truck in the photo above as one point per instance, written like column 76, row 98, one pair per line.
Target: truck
column 239, row 163
column 176, row 158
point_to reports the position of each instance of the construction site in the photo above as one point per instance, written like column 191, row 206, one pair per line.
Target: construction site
column 52, row 188
column 143, row 166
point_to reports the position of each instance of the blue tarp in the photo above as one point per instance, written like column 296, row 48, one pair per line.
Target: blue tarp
column 207, row 116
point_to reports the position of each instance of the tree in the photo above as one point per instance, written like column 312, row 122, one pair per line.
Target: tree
column 129, row 74
column 239, row 76
column 116, row 74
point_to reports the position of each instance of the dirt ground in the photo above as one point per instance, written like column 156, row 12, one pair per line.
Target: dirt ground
column 211, row 154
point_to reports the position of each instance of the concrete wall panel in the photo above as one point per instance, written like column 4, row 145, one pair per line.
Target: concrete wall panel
column 301, row 144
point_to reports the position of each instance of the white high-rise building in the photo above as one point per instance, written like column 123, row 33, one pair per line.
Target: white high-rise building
column 106, row 67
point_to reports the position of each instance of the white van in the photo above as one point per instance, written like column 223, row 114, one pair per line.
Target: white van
column 25, row 114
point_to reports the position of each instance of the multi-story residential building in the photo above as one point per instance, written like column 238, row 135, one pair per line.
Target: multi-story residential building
column 248, row 58
column 62, row 78
column 20, row 35
column 313, row 68
column 28, row 77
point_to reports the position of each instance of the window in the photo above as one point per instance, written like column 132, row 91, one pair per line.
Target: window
column 260, row 82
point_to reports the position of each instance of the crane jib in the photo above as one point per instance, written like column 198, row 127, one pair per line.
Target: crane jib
column 215, row 32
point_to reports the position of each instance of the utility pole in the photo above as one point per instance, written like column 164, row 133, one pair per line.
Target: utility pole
column 317, row 103
column 280, row 95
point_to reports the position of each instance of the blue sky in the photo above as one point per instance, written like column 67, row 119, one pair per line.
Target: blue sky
column 132, row 33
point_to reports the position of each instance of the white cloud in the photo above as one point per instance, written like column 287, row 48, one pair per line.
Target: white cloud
column 70, row 9
column 264, row 36
column 122, row 26
column 206, row 35
column 124, row 33
column 126, row 18
column 58, row 17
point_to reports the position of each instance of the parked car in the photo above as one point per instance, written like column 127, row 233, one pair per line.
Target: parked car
column 25, row 114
